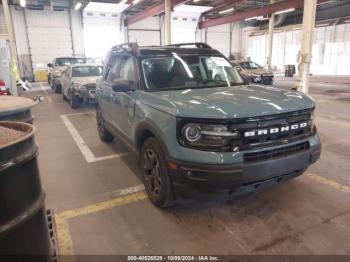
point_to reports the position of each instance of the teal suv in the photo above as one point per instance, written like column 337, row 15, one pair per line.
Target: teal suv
column 197, row 134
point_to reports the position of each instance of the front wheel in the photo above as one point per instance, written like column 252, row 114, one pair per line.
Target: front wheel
column 156, row 177
column 74, row 101
column 103, row 133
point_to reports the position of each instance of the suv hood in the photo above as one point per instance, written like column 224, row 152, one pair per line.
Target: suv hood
column 85, row 80
column 227, row 102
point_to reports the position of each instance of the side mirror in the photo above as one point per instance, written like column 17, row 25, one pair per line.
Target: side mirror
column 49, row 65
column 123, row 87
column 238, row 68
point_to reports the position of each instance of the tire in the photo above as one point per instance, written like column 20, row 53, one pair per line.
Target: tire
column 64, row 96
column 49, row 80
column 103, row 133
column 74, row 101
column 155, row 174
column 57, row 88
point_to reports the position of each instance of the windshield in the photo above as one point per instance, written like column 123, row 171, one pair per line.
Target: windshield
column 69, row 61
column 188, row 71
column 86, row 71
column 250, row 65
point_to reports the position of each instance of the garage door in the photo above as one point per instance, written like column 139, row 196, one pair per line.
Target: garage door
column 49, row 36
column 144, row 37
column 219, row 38
column 102, row 31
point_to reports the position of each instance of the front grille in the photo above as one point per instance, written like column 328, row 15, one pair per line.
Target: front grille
column 276, row 153
column 266, row 80
column 91, row 86
column 268, row 123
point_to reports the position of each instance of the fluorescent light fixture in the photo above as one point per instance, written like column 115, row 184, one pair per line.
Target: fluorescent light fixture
column 196, row 1
column 123, row 2
column 226, row 11
column 285, row 11
column 78, row 6
column 135, row 2
column 327, row 2
column 22, row 3
column 250, row 18
column 325, row 24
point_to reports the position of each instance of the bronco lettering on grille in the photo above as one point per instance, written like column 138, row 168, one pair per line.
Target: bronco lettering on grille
column 275, row 130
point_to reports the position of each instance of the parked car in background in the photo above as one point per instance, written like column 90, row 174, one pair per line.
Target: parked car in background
column 79, row 83
column 253, row 72
column 59, row 65
column 197, row 136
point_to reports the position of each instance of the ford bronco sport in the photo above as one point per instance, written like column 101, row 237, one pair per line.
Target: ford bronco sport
column 197, row 136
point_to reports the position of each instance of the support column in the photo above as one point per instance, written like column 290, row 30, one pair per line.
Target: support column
column 270, row 39
column 167, row 22
column 309, row 16
column 12, row 43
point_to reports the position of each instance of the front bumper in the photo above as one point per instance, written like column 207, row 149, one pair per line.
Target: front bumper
column 57, row 81
column 88, row 95
column 193, row 180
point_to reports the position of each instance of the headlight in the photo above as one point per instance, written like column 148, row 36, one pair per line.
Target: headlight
column 207, row 136
column 57, row 73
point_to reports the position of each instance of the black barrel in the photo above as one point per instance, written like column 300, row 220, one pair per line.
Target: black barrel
column 15, row 108
column 23, row 224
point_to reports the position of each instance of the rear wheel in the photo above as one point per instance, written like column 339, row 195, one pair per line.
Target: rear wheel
column 103, row 133
column 156, row 177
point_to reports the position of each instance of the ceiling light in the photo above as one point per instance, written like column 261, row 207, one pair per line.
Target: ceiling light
column 78, row 6
column 22, row 3
column 196, row 1
column 226, row 11
column 285, row 11
column 135, row 2
column 250, row 18
column 325, row 24
column 123, row 2
column 327, row 2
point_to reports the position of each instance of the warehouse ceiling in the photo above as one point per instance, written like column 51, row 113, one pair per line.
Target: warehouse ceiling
column 218, row 6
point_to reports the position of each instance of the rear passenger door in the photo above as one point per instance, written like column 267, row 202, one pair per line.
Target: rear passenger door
column 128, row 99
column 122, row 103
column 104, row 87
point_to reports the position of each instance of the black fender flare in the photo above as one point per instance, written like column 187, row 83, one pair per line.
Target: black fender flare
column 146, row 126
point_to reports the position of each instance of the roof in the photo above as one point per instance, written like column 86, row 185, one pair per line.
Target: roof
column 146, row 51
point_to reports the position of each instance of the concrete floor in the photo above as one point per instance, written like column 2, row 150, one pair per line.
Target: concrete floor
column 109, row 214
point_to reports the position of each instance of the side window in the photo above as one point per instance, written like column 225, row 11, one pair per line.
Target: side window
column 113, row 68
column 112, row 61
column 127, row 70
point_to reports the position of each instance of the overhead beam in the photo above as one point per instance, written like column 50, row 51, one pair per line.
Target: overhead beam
column 266, row 10
column 222, row 6
column 152, row 11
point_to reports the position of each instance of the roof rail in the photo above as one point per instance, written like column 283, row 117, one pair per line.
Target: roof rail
column 126, row 46
column 197, row 45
